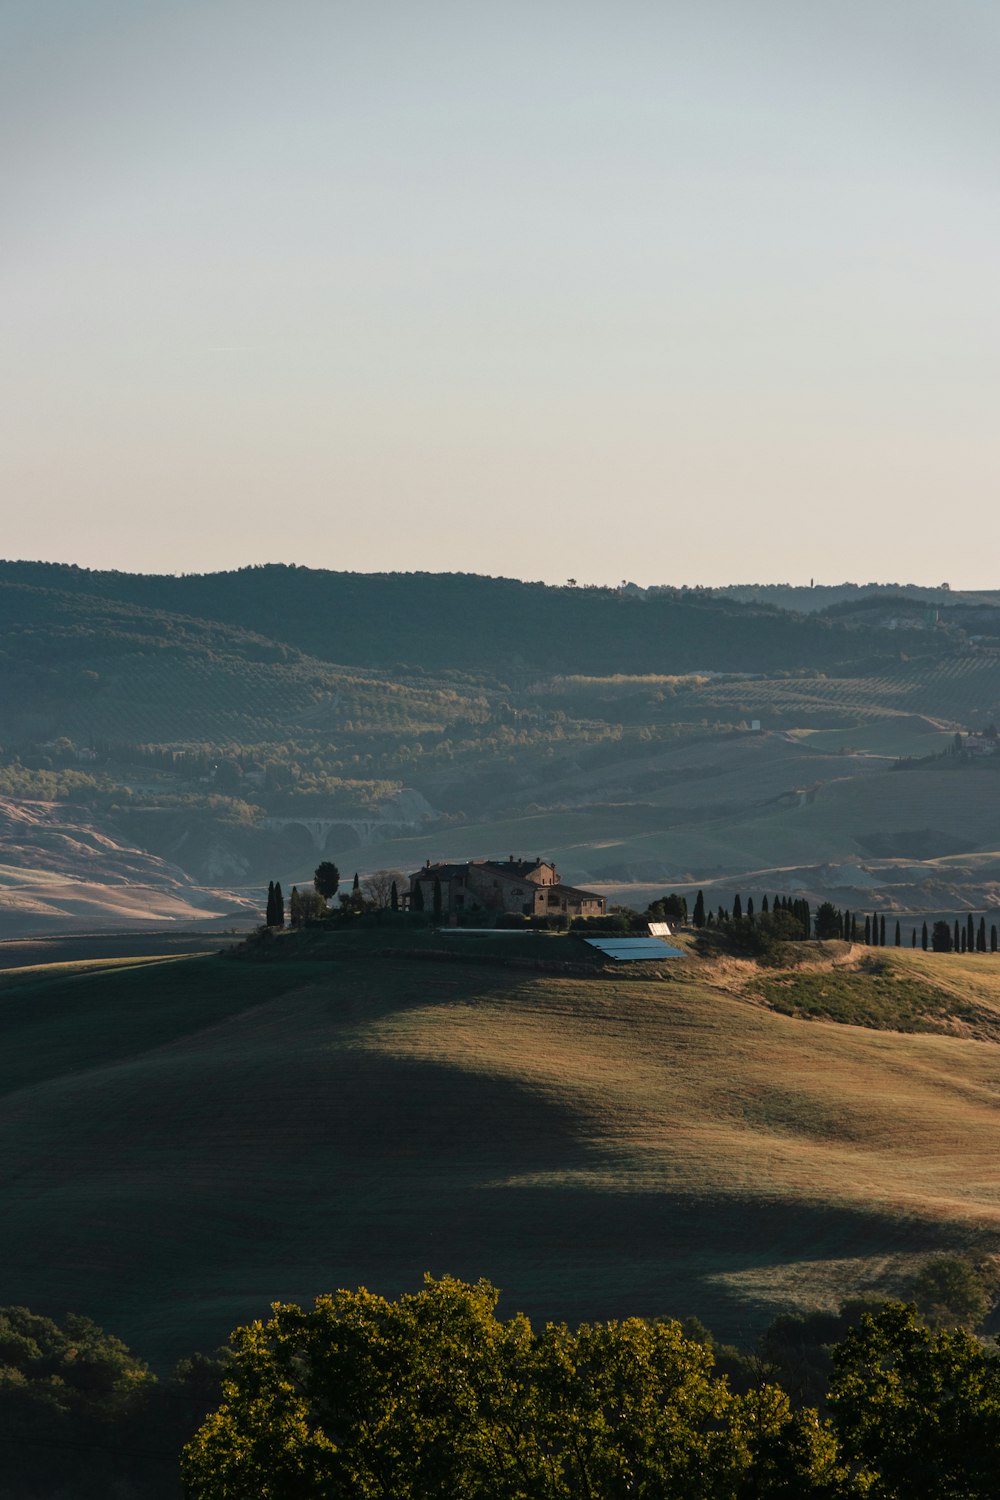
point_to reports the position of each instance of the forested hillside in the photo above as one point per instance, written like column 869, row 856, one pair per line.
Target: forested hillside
column 490, row 624
column 614, row 731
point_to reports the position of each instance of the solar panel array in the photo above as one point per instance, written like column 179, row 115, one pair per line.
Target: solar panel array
column 633, row 950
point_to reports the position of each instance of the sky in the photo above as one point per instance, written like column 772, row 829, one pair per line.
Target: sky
column 674, row 292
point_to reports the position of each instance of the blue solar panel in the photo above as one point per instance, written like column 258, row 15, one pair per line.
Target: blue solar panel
column 634, row 950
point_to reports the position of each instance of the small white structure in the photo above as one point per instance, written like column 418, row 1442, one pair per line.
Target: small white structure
column 659, row 929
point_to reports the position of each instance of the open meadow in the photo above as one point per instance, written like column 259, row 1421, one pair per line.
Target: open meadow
column 185, row 1140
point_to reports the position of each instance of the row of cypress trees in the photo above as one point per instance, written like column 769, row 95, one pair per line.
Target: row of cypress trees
column 831, row 922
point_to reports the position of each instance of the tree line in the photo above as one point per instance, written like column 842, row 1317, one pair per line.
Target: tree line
column 830, row 921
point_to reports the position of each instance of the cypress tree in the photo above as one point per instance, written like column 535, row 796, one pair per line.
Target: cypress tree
column 965, row 945
column 295, row 907
column 981, row 936
column 437, row 899
column 750, row 908
column 357, row 883
column 874, row 929
column 763, row 907
column 721, row 917
column 847, row 923
column 868, row 930
column 970, row 934
column 279, row 905
column 881, row 932
column 737, row 908
column 269, row 916
column 394, row 898
column 806, row 918
column 913, row 937
column 699, row 909
column 923, row 937
column 993, row 937
column 854, row 929
column 898, row 941
column 417, row 897
column 958, row 937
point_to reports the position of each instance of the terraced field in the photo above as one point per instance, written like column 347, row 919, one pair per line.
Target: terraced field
column 184, row 1141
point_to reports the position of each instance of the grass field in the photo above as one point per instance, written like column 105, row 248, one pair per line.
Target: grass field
column 183, row 1142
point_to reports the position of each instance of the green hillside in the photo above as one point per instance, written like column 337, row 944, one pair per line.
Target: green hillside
column 185, row 1141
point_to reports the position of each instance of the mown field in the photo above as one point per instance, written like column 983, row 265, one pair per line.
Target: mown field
column 184, row 1141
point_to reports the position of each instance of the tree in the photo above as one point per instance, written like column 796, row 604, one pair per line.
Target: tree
column 763, row 906
column 295, row 908
column 913, row 937
column 699, row 909
column 917, row 1410
column 417, row 897
column 749, row 908
column 737, row 908
column 433, row 1395
column 394, row 898
column 970, row 934
column 950, row 1293
column 828, row 922
column 897, row 942
column 881, row 931
column 357, row 885
column 981, row 936
column 279, row 905
column 269, row 913
column 993, row 937
column 958, row 937
column 378, row 887
column 868, row 929
column 923, row 937
column 326, row 880
column 437, row 899
column 941, row 937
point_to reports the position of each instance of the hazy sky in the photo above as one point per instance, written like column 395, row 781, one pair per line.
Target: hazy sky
column 678, row 292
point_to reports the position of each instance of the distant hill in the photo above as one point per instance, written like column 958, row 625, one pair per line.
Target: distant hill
column 200, row 718
column 499, row 625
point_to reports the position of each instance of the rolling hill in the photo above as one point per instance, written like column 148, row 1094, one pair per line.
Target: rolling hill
column 191, row 1138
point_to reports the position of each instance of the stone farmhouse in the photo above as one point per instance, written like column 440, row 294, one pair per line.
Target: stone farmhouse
column 530, row 887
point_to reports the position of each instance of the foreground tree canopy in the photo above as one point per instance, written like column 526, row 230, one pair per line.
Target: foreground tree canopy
column 433, row 1395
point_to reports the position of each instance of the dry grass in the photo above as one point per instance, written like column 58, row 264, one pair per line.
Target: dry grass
column 182, row 1143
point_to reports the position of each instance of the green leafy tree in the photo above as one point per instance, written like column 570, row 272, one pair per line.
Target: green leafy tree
column 326, row 880
column 950, row 1293
column 917, row 1411
column 941, row 940
column 433, row 1396
column 828, row 921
